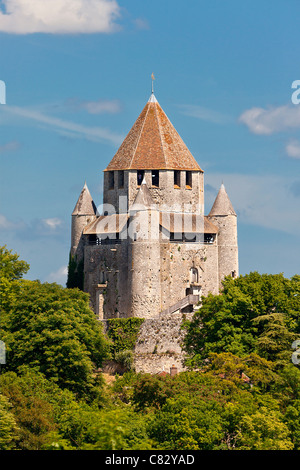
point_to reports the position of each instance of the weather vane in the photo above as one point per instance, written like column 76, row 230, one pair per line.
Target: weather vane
column 153, row 78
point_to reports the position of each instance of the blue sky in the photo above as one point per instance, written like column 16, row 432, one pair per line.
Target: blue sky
column 77, row 75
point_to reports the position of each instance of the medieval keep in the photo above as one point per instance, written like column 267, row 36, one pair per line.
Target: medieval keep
column 152, row 252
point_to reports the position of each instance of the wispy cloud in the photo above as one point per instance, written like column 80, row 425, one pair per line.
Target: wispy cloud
column 97, row 134
column 94, row 107
column 34, row 229
column 293, row 149
column 141, row 24
column 6, row 224
column 268, row 121
column 205, row 114
column 269, row 201
column 9, row 146
column 59, row 16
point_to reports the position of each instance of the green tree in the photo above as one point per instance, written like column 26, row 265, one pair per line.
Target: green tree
column 53, row 329
column 75, row 273
column 8, row 426
column 254, row 314
column 11, row 267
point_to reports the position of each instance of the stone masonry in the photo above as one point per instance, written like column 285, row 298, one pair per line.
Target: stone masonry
column 151, row 252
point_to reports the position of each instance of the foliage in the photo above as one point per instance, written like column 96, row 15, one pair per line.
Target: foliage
column 254, row 314
column 52, row 328
column 123, row 333
column 125, row 358
column 75, row 273
column 8, row 427
column 11, row 267
column 244, row 393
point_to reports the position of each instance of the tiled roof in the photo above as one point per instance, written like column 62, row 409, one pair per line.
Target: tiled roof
column 153, row 144
column 107, row 224
column 186, row 223
column 173, row 222
column 143, row 200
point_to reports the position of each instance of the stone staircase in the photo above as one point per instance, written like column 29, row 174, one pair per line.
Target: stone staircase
column 190, row 299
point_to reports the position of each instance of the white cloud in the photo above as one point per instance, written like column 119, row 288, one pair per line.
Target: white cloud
column 205, row 114
column 268, row 121
column 293, row 149
column 97, row 134
column 59, row 16
column 59, row 276
column 53, row 223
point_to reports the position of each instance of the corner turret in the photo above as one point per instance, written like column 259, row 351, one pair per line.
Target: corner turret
column 85, row 211
column 223, row 215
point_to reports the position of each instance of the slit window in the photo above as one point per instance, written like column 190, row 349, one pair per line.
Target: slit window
column 188, row 179
column 121, row 179
column 140, row 177
column 111, row 180
column 176, row 179
column 155, row 178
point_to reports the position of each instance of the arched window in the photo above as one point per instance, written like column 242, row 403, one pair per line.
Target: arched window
column 194, row 275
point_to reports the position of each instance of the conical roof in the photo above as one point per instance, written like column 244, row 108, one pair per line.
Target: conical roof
column 85, row 204
column 222, row 204
column 153, row 144
column 143, row 199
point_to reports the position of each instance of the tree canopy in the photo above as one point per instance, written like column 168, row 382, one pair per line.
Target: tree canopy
column 241, row 390
column 254, row 313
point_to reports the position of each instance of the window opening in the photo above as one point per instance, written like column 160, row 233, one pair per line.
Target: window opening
column 121, row 179
column 140, row 177
column 155, row 178
column 188, row 179
column 176, row 179
column 111, row 180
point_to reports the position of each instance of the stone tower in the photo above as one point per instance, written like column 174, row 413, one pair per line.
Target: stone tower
column 144, row 253
column 152, row 252
column 224, row 217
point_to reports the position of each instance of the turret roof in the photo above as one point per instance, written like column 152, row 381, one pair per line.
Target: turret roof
column 222, row 204
column 153, row 144
column 85, row 204
column 143, row 199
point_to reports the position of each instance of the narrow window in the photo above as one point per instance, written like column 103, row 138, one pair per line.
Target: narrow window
column 155, row 178
column 140, row 176
column 194, row 275
column 188, row 179
column 111, row 180
column 176, row 179
column 121, row 179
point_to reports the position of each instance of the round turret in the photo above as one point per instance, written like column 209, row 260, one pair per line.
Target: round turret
column 224, row 217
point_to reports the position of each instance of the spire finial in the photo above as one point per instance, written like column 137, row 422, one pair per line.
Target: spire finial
column 153, row 78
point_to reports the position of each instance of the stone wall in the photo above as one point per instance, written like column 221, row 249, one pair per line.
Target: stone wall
column 105, row 273
column 158, row 346
column 177, row 261
column 166, row 195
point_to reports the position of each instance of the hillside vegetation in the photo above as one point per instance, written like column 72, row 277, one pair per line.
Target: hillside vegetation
column 241, row 390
